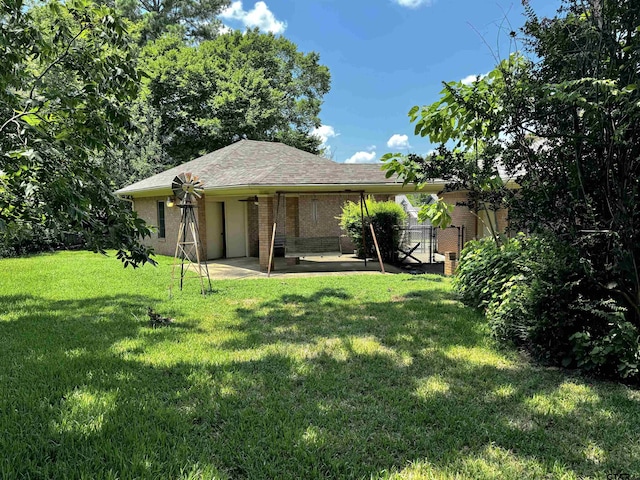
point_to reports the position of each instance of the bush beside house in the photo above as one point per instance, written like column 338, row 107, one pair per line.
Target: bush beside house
column 538, row 295
column 386, row 217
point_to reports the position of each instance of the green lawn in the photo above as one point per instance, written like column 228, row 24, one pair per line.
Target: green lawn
column 363, row 376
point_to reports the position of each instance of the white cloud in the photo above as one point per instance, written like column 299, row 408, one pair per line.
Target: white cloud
column 414, row 3
column 398, row 141
column 362, row 157
column 469, row 79
column 225, row 29
column 260, row 16
column 324, row 133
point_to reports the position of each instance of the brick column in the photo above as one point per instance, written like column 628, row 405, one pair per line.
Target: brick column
column 292, row 224
column 265, row 229
column 461, row 216
column 450, row 263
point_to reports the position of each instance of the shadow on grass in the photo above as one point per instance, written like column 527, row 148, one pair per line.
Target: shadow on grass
column 387, row 383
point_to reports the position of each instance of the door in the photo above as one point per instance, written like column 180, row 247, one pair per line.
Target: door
column 215, row 229
column 235, row 228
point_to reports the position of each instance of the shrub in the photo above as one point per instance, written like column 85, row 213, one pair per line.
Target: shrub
column 537, row 293
column 386, row 218
column 485, row 267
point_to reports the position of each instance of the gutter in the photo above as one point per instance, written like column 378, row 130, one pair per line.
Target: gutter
column 297, row 188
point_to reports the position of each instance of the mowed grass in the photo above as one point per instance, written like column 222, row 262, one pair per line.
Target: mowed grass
column 362, row 376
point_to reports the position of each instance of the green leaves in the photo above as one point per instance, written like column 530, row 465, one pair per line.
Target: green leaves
column 438, row 213
column 385, row 217
column 65, row 85
column 240, row 85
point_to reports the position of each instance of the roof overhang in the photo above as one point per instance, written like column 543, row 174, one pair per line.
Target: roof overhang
column 367, row 188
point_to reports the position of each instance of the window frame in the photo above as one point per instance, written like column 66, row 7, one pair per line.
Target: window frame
column 161, row 219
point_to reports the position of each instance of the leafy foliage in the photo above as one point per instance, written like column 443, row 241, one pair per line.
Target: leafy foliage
column 565, row 128
column 193, row 19
column 533, row 295
column 385, row 217
column 66, row 79
column 466, row 121
column 581, row 181
column 438, row 213
column 240, row 85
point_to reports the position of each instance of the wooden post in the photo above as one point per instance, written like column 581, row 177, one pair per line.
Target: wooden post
column 273, row 242
column 364, row 236
column 375, row 242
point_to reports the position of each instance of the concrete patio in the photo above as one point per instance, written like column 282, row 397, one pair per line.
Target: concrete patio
column 249, row 267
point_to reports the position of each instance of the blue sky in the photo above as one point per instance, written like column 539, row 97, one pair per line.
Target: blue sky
column 386, row 56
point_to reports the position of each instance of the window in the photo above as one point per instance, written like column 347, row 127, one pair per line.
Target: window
column 314, row 209
column 161, row 225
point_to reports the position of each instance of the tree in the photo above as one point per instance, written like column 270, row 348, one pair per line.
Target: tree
column 566, row 125
column 581, row 181
column 240, row 85
column 193, row 19
column 65, row 85
column 467, row 121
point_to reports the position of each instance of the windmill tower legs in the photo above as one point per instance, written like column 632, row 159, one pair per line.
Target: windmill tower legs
column 188, row 250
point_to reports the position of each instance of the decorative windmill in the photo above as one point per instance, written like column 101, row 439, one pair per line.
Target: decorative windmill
column 188, row 189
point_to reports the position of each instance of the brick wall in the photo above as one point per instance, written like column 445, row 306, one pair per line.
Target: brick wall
column 502, row 219
column 461, row 216
column 326, row 224
column 147, row 209
column 265, row 224
column 450, row 263
column 292, row 219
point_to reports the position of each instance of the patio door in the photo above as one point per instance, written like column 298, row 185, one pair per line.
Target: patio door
column 215, row 230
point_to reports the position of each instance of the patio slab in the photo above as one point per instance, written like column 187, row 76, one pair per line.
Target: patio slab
column 249, row 267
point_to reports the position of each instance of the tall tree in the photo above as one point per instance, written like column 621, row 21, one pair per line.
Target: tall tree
column 195, row 19
column 65, row 85
column 240, row 85
column 568, row 128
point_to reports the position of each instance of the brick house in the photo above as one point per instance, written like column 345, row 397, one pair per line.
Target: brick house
column 250, row 183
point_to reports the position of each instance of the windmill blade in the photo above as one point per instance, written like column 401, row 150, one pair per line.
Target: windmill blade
column 187, row 187
column 177, row 186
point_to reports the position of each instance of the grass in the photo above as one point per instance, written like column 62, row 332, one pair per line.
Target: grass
column 376, row 376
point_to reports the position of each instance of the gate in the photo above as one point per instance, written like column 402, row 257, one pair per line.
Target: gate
column 418, row 241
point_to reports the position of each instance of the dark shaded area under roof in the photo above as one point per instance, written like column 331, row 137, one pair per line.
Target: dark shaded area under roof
column 254, row 163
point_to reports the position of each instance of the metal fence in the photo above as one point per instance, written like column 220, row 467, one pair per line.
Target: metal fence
column 419, row 240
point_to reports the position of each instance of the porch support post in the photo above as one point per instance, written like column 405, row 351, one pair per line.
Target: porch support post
column 265, row 229
column 292, row 223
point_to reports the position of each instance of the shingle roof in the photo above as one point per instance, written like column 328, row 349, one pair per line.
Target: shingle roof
column 254, row 163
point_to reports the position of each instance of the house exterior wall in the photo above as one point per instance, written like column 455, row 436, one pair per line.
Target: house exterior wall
column 499, row 219
column 295, row 216
column 502, row 217
column 325, row 223
column 474, row 226
column 147, row 209
column 461, row 216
